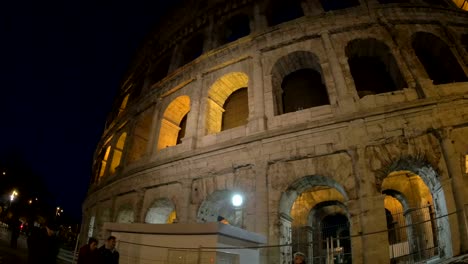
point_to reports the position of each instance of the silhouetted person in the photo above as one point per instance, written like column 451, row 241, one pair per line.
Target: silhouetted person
column 89, row 253
column 43, row 245
column 15, row 226
column 107, row 253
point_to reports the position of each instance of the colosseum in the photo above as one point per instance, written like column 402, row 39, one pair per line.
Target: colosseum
column 343, row 125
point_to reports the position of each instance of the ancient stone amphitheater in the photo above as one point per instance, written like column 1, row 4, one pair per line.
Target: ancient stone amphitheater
column 342, row 124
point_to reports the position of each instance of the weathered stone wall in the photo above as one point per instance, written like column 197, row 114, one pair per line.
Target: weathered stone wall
column 349, row 146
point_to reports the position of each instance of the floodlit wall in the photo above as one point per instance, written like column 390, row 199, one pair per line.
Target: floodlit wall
column 305, row 168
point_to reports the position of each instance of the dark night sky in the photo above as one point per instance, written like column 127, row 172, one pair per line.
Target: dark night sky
column 61, row 64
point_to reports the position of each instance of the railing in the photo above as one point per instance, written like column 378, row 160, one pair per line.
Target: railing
column 67, row 256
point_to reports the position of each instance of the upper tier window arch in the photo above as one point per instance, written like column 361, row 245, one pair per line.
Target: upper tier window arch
column 297, row 83
column 218, row 95
column 373, row 67
column 440, row 63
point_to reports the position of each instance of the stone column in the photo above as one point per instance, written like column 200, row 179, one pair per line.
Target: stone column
column 154, row 131
column 452, row 160
column 373, row 222
column 344, row 98
column 184, row 214
column 139, row 214
column 191, row 130
column 285, row 238
column 257, row 120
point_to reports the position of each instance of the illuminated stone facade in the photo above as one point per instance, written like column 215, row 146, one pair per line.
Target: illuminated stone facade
column 336, row 120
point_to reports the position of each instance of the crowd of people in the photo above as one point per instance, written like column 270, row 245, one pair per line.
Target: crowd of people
column 106, row 254
column 43, row 248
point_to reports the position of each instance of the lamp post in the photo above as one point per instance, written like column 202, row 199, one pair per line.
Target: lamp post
column 13, row 196
column 237, row 201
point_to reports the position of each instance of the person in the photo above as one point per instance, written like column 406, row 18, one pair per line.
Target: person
column 299, row 258
column 43, row 244
column 15, row 232
column 223, row 220
column 88, row 253
column 107, row 253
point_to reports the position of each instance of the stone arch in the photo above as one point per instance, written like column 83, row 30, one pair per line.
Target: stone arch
column 298, row 83
column 436, row 209
column 171, row 129
column 373, row 67
column 117, row 153
column 296, row 208
column 218, row 94
column 438, row 60
column 399, row 222
column 101, row 164
column 125, row 215
column 161, row 211
column 301, row 185
column 219, row 203
column 123, row 104
column 329, row 220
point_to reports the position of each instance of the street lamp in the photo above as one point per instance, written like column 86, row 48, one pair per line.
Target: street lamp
column 13, row 195
column 58, row 211
column 237, row 200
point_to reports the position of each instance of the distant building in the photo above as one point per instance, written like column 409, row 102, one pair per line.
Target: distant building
column 343, row 125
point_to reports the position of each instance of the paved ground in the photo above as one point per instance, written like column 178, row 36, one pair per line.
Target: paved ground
column 9, row 255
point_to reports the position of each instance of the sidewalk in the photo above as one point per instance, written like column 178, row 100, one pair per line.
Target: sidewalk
column 9, row 255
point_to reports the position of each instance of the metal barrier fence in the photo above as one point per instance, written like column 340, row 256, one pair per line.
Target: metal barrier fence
column 413, row 238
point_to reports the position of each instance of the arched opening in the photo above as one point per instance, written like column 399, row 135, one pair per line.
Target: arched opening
column 438, row 60
column 462, row 4
column 303, row 89
column 117, row 153
column 218, row 95
column 236, row 109
column 236, row 27
column 123, row 105
column 219, row 203
column 373, row 67
column 183, row 126
column 173, row 123
column 314, row 219
column 192, row 49
column 418, row 228
column 329, row 5
column 297, row 83
column 283, row 11
column 334, row 230
column 162, row 211
column 102, row 165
